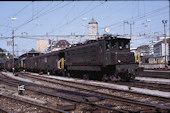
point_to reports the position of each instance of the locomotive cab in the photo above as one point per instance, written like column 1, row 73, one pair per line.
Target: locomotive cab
column 117, row 50
column 118, row 44
column 119, row 61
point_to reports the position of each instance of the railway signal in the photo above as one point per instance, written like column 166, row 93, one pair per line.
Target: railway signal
column 21, row 88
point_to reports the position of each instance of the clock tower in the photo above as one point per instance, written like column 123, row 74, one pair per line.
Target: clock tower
column 93, row 30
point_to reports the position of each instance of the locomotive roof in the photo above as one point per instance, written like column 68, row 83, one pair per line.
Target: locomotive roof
column 102, row 38
column 110, row 36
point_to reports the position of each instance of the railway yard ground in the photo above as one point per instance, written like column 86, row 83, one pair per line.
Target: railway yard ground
column 52, row 94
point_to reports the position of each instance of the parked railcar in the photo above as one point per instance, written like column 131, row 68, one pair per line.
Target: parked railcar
column 108, row 58
column 45, row 63
column 25, row 56
column 1, row 65
column 8, row 65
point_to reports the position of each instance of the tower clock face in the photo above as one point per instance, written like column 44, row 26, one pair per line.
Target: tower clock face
column 107, row 30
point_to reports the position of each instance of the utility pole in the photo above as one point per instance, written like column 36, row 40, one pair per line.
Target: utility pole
column 130, row 29
column 124, row 27
column 164, row 22
column 13, row 66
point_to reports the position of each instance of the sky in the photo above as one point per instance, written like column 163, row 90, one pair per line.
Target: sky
column 66, row 18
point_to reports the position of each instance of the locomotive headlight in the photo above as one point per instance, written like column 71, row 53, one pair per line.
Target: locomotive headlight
column 119, row 61
column 120, row 47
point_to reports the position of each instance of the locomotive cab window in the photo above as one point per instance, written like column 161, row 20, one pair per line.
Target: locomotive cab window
column 113, row 44
column 107, row 46
column 123, row 44
column 126, row 45
column 101, row 50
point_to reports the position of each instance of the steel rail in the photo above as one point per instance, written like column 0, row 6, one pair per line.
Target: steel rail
column 116, row 97
column 66, row 98
column 163, row 87
column 4, row 110
column 78, row 83
column 34, row 104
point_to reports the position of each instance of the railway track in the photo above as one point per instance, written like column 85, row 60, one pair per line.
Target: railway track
column 154, row 74
column 83, row 84
column 110, row 96
column 4, row 110
column 141, row 84
column 17, row 105
column 41, row 89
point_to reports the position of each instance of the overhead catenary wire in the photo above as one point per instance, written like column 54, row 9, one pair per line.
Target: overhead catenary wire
column 38, row 16
column 14, row 15
column 146, row 15
column 22, row 9
column 80, row 15
column 115, row 11
column 163, row 13
column 84, row 10
column 149, row 13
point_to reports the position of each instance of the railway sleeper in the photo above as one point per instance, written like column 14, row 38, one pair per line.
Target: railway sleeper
column 92, row 99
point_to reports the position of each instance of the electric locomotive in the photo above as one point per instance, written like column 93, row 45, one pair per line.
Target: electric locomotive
column 108, row 58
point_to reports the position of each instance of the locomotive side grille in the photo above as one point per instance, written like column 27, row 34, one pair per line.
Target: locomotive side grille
column 113, row 58
column 123, row 57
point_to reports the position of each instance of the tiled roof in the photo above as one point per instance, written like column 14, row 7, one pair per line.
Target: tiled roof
column 62, row 43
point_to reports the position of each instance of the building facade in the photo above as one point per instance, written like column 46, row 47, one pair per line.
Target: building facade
column 93, row 30
column 143, row 50
column 42, row 45
column 159, row 50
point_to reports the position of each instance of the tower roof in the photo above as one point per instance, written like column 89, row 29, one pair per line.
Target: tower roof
column 93, row 21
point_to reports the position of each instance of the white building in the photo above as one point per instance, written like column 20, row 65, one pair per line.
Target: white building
column 159, row 48
column 152, row 42
column 93, row 30
column 42, row 44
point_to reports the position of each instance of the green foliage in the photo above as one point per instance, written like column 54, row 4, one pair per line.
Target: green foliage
column 1, row 50
column 1, row 53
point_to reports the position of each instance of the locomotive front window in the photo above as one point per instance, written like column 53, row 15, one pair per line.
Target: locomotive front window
column 107, row 46
column 113, row 44
column 121, row 44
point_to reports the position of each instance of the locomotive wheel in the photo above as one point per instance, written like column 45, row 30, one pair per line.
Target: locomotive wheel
column 86, row 77
column 105, row 78
column 132, row 77
column 67, row 74
column 115, row 78
column 125, row 77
